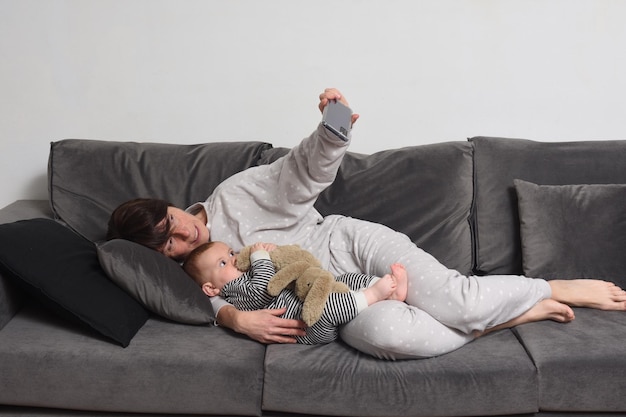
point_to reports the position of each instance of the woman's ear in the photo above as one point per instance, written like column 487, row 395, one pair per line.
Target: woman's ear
column 210, row 290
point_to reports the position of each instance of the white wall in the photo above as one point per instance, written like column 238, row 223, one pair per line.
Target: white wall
column 205, row 70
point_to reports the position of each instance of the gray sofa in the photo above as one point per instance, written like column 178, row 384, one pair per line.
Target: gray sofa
column 460, row 200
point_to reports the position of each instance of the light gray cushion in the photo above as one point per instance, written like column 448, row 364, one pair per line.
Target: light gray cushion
column 498, row 161
column 423, row 191
column 88, row 179
column 157, row 282
column 573, row 231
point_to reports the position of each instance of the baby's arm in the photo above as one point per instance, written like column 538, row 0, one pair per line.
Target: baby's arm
column 261, row 266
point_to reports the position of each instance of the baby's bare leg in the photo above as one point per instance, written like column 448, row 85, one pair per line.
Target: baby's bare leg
column 381, row 290
column 589, row 293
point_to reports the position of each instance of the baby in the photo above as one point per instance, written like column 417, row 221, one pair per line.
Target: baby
column 212, row 266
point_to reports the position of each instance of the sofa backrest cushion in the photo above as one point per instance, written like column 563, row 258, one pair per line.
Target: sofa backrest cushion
column 88, row 179
column 423, row 191
column 499, row 161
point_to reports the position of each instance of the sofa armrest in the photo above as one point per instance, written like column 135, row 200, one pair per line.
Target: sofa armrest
column 25, row 209
column 11, row 298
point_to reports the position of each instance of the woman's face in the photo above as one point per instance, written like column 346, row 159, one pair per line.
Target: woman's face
column 187, row 233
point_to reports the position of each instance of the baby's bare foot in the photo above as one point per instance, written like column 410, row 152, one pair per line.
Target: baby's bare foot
column 399, row 272
column 381, row 290
column 591, row 293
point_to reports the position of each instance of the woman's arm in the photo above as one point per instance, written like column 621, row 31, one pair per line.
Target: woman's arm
column 264, row 326
column 309, row 168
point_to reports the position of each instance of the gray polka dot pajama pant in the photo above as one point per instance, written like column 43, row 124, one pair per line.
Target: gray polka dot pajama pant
column 443, row 307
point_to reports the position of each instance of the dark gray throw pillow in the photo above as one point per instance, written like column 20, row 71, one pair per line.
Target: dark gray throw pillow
column 157, row 282
column 499, row 161
column 573, row 231
column 61, row 270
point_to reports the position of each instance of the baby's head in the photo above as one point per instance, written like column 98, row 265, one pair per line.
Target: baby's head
column 212, row 265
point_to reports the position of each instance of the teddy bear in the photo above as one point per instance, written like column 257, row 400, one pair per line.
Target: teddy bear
column 300, row 270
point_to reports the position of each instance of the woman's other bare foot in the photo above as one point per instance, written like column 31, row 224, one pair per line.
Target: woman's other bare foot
column 591, row 293
column 547, row 309
column 381, row 290
column 399, row 272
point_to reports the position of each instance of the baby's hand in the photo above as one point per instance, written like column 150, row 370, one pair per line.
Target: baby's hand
column 263, row 246
column 269, row 246
column 257, row 247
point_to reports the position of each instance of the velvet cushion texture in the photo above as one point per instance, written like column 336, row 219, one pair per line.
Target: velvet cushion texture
column 573, row 231
column 580, row 365
column 61, row 269
column 499, row 161
column 424, row 192
column 157, row 282
column 491, row 376
column 88, row 179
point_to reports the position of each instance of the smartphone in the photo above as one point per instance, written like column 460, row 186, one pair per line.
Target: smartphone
column 338, row 119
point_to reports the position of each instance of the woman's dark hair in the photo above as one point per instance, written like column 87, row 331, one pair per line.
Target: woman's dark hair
column 143, row 221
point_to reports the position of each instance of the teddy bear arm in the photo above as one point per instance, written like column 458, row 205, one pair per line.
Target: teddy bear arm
column 286, row 276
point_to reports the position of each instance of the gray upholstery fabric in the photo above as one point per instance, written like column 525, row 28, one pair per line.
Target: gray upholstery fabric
column 169, row 368
column 573, row 231
column 582, row 364
column 491, row 375
column 11, row 299
column 157, row 282
column 498, row 161
column 422, row 191
column 89, row 178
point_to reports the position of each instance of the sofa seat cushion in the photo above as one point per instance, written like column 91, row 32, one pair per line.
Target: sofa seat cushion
column 490, row 376
column 581, row 365
column 169, row 368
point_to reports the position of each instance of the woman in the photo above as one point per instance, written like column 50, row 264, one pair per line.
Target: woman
column 274, row 203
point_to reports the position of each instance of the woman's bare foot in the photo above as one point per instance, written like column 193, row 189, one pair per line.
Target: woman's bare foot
column 591, row 293
column 381, row 290
column 547, row 309
column 398, row 271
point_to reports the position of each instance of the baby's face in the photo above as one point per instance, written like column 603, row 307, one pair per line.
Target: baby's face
column 218, row 265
